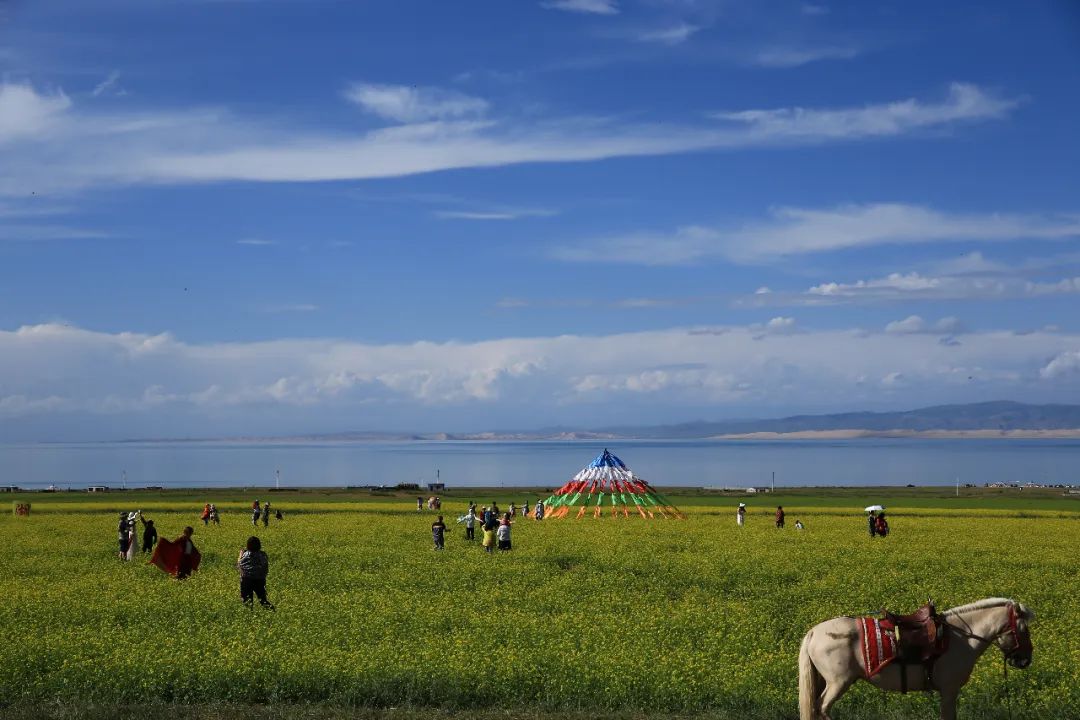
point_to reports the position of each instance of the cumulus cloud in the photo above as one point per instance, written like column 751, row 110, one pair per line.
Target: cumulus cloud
column 55, row 371
column 668, row 35
column 429, row 130
column 915, row 324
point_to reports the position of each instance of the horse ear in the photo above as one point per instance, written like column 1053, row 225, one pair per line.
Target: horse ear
column 1025, row 612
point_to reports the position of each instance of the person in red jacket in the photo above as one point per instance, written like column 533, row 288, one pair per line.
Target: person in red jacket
column 780, row 516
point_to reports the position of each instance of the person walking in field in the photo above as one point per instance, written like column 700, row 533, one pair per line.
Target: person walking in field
column 525, row 509
column 489, row 531
column 780, row 517
column 256, row 511
column 122, row 535
column 419, row 504
column 438, row 533
column 253, row 565
column 503, row 532
column 149, row 534
column 539, row 513
column 881, row 525
column 266, row 514
column 187, row 554
column 871, row 523
column 205, row 516
column 470, row 525
column 513, row 510
column 214, row 517
column 133, row 539
column 740, row 516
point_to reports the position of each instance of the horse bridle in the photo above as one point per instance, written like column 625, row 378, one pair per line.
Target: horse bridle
column 1021, row 643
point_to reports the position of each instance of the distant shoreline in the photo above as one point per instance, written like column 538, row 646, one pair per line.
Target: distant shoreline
column 855, row 434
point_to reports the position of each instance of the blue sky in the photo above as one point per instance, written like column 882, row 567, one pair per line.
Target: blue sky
column 278, row 216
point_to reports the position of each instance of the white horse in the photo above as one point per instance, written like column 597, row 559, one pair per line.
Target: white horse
column 831, row 660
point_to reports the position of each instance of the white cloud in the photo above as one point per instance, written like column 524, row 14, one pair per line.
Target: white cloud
column 799, row 231
column 1066, row 364
column 291, row 308
column 257, row 242
column 406, row 104
column 24, row 113
column 669, row 35
column 593, row 7
column 494, row 214
column 441, row 132
column 109, row 86
column 909, row 325
column 780, row 57
column 812, row 9
column 55, row 370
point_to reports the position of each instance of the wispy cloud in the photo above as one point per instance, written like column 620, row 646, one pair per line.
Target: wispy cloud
column 258, row 242
column 494, row 214
column 84, row 148
column 814, row 9
column 109, row 86
column 667, row 35
column 407, row 104
column 590, row 7
column 291, row 308
column 800, row 231
column 779, row 57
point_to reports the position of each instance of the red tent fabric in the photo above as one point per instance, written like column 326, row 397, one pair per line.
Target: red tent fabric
column 167, row 556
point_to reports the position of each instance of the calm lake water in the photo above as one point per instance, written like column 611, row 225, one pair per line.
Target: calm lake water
column 694, row 463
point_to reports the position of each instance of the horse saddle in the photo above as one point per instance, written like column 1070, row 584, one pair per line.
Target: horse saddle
column 920, row 634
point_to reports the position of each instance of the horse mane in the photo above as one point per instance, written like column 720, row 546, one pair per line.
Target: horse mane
column 988, row 603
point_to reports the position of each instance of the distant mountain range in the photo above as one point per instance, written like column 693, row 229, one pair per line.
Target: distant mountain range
column 987, row 419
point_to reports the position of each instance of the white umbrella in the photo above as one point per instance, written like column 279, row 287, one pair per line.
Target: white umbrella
column 874, row 508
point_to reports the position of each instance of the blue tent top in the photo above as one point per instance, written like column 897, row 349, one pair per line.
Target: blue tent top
column 607, row 459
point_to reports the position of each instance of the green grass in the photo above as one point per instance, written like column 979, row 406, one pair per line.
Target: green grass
column 608, row 618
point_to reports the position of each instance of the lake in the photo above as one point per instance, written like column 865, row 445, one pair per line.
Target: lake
column 493, row 464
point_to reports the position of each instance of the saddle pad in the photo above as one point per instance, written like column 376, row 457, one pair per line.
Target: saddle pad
column 878, row 644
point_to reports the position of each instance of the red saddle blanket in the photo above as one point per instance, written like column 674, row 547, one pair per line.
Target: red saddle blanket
column 877, row 638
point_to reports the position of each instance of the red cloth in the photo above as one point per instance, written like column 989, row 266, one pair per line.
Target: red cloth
column 878, row 644
column 168, row 553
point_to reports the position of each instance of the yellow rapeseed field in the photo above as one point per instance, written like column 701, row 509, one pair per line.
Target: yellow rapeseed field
column 682, row 616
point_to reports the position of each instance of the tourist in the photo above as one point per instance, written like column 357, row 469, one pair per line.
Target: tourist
column 503, row 533
column 799, row 525
column 187, row 554
column 539, row 513
column 205, row 516
column 277, row 515
column 513, row 510
column 882, row 525
column 256, row 511
column 122, row 535
column 495, row 509
column 419, row 504
column 253, row 565
column 871, row 523
column 780, row 517
column 214, row 517
column 525, row 509
column 132, row 544
column 149, row 535
column 266, row 514
column 438, row 533
column 740, row 516
column 489, row 535
column 470, row 524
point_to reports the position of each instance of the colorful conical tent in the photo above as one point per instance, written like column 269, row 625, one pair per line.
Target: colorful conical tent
column 607, row 481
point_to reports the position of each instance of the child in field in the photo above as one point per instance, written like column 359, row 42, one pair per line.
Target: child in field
column 503, row 533
column 489, row 531
column 438, row 533
column 253, row 565
column 799, row 525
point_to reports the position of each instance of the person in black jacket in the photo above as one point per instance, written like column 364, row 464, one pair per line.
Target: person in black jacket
column 253, row 565
column 149, row 534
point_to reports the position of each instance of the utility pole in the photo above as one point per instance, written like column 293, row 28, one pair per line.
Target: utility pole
column 957, row 486
column 277, row 479
column 123, row 479
column 773, row 481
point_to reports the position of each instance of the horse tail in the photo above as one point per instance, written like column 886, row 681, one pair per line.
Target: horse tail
column 809, row 680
